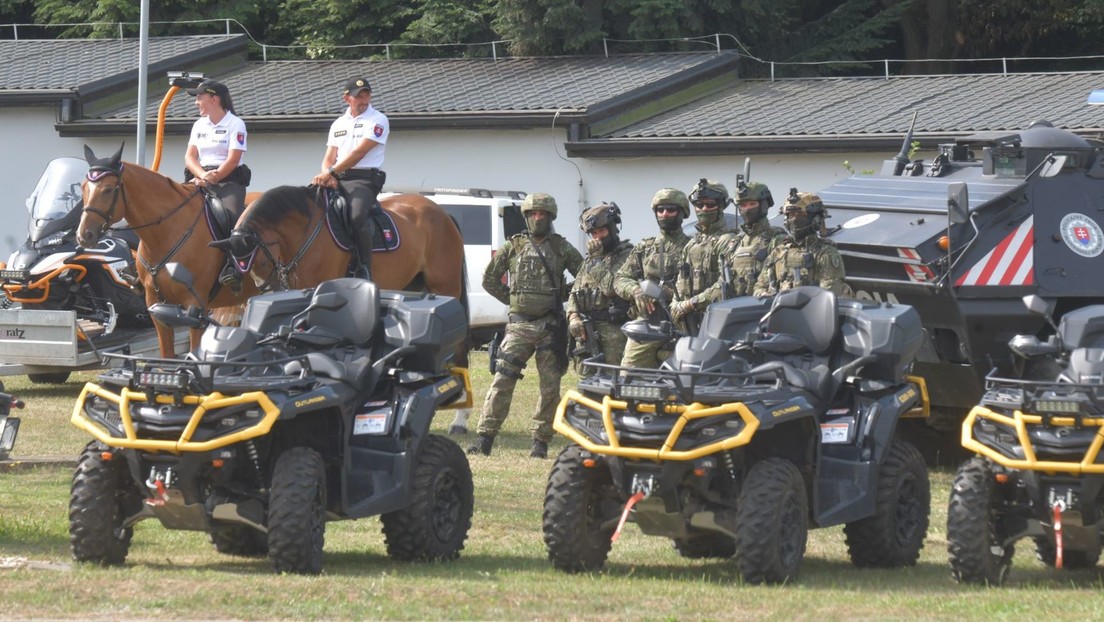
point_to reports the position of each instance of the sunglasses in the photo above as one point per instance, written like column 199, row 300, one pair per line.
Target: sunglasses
column 706, row 204
column 666, row 209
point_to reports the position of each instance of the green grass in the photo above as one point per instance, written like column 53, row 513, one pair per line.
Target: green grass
column 503, row 572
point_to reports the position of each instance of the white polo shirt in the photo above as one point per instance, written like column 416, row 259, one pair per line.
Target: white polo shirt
column 214, row 141
column 347, row 132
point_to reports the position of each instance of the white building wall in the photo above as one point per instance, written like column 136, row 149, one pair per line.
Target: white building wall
column 527, row 160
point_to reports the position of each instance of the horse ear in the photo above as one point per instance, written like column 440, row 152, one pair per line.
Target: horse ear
column 118, row 157
column 88, row 155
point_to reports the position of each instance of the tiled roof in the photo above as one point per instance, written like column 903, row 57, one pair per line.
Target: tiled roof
column 856, row 106
column 67, row 64
column 456, row 86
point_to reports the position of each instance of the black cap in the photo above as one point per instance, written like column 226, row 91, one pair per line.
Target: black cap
column 212, row 87
column 354, row 86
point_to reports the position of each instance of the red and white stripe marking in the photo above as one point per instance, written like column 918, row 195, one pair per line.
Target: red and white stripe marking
column 917, row 273
column 1010, row 263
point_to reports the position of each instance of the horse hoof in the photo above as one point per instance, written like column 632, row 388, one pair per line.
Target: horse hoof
column 457, row 430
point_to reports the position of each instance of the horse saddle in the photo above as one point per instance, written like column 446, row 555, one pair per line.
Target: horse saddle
column 385, row 236
column 220, row 219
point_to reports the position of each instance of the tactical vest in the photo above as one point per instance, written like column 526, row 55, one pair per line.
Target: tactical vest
column 532, row 289
column 797, row 265
column 662, row 257
column 748, row 257
column 593, row 293
column 701, row 268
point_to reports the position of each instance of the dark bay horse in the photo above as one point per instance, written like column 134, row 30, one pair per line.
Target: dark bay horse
column 288, row 245
column 168, row 218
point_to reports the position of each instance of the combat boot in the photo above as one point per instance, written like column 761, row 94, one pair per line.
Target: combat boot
column 539, row 450
column 482, row 445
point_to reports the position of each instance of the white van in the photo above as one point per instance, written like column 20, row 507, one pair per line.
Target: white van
column 486, row 218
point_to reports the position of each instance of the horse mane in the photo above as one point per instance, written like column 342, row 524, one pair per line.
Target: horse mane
column 275, row 204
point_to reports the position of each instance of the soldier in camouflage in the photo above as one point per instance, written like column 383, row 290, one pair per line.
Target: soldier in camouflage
column 658, row 259
column 593, row 297
column 748, row 251
column 805, row 256
column 701, row 268
column 535, row 261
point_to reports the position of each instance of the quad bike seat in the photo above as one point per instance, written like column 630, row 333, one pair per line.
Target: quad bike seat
column 347, row 312
column 803, row 319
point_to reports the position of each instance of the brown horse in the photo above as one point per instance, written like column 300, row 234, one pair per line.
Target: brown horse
column 168, row 218
column 284, row 240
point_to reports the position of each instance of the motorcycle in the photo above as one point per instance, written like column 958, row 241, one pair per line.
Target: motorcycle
column 52, row 272
column 316, row 408
column 777, row 415
column 1038, row 472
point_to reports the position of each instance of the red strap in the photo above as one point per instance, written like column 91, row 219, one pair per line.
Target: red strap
column 1058, row 535
column 625, row 514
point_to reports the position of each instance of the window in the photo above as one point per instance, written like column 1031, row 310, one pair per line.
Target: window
column 474, row 221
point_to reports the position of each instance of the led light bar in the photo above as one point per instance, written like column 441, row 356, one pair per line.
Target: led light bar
column 15, row 275
column 1057, row 406
column 163, row 380
column 641, row 392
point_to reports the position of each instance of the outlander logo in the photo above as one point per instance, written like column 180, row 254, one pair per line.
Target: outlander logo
column 14, row 332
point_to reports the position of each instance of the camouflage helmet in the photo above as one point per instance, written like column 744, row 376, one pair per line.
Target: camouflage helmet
column 754, row 191
column 804, row 202
column 604, row 215
column 539, row 202
column 672, row 196
column 710, row 189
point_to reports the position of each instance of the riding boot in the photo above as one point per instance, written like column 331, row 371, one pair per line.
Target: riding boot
column 364, row 243
column 230, row 276
column 482, row 445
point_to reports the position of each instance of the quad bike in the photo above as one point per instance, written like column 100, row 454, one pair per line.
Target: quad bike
column 1039, row 472
column 317, row 408
column 778, row 415
column 9, row 426
column 52, row 272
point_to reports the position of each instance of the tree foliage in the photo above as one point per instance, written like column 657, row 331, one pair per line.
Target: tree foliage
column 848, row 32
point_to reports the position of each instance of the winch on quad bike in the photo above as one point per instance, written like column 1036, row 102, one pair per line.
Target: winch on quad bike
column 1038, row 472
column 777, row 415
column 51, row 271
column 317, row 408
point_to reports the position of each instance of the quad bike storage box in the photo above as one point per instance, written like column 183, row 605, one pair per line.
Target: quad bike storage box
column 735, row 319
column 266, row 312
column 892, row 333
column 1082, row 333
column 435, row 325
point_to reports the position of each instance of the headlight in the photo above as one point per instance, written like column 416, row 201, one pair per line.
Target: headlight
column 641, row 392
column 53, row 240
column 163, row 380
column 15, row 275
column 1057, row 407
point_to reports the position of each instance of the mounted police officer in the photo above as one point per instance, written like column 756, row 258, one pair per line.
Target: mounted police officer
column 658, row 259
column 748, row 250
column 593, row 297
column 804, row 256
column 702, row 265
column 536, row 261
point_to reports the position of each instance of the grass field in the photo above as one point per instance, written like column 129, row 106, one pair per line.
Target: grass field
column 503, row 572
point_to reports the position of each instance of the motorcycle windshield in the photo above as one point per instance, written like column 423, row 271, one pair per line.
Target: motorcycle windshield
column 58, row 191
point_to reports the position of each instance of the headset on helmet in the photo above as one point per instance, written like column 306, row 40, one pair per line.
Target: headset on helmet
column 710, row 189
column 604, row 215
column 754, row 191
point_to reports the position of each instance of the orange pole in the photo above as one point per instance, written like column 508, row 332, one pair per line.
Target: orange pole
column 161, row 126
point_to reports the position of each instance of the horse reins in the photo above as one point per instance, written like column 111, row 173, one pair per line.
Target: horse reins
column 283, row 271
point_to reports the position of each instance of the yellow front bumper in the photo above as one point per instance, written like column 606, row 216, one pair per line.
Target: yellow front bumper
column 1019, row 422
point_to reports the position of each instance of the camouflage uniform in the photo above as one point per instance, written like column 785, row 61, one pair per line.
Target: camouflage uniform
column 534, row 314
column 701, row 267
column 748, row 251
column 803, row 257
column 593, row 295
column 658, row 259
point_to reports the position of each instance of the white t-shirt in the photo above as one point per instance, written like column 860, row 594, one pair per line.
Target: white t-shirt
column 214, row 141
column 347, row 132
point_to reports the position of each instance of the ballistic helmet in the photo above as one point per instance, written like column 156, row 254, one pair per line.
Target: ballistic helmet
column 672, row 196
column 754, row 191
column 709, row 189
column 604, row 215
column 539, row 202
column 804, row 212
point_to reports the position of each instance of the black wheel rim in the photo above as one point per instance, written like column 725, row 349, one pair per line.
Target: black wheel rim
column 908, row 511
column 791, row 526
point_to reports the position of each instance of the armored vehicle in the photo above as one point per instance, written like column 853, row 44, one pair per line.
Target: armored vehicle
column 963, row 237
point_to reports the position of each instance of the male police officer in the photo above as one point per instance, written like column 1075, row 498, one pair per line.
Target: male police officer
column 593, row 297
column 658, row 259
column 804, row 257
column 702, row 266
column 536, row 261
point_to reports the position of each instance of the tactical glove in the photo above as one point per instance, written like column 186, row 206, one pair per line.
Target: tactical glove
column 576, row 328
column 643, row 304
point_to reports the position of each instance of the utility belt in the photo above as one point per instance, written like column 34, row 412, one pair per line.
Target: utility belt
column 614, row 316
column 374, row 176
column 241, row 175
column 525, row 317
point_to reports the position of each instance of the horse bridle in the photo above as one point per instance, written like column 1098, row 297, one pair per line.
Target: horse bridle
column 96, row 173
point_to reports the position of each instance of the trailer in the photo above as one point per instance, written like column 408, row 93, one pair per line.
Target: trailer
column 48, row 345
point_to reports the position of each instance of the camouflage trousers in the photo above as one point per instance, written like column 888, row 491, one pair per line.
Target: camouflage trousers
column 612, row 341
column 647, row 355
column 522, row 340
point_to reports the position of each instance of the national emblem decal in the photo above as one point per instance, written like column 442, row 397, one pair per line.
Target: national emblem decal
column 241, row 138
column 1082, row 235
column 378, row 130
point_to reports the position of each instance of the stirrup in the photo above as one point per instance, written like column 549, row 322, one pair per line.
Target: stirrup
column 230, row 276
